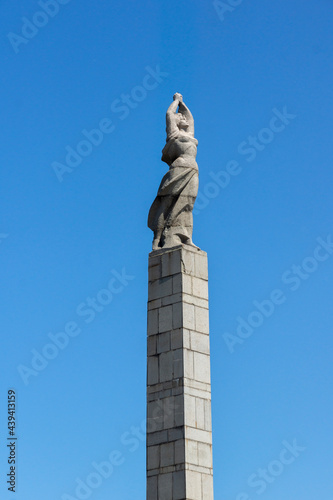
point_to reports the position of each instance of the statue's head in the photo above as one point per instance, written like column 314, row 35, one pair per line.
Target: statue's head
column 182, row 122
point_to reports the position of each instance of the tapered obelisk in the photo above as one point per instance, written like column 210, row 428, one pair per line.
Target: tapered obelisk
column 179, row 429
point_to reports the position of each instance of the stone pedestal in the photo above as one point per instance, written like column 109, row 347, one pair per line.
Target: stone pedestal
column 179, row 429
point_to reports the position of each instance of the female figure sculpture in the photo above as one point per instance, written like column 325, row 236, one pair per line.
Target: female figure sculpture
column 170, row 216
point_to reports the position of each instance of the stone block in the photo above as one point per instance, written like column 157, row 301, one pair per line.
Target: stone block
column 201, row 367
column 167, row 454
column 177, row 283
column 178, row 485
column 188, row 364
column 178, row 363
column 188, row 263
column 171, row 263
column 177, row 316
column 198, row 435
column 182, row 283
column 208, row 415
column 201, row 266
column 201, row 386
column 176, row 434
column 169, row 412
column 152, row 488
column 163, row 342
column 154, row 304
column 153, row 261
column 155, row 425
column 200, row 342
column 180, row 451
column 152, row 472
column 188, row 316
column 177, row 339
column 154, row 291
column 171, row 299
column 205, row 455
column 198, row 393
column 197, row 468
column 207, row 487
column 186, row 339
column 165, row 319
column 193, row 485
column 187, row 284
column 196, row 301
column 151, row 345
column 179, row 418
column 199, row 288
column 201, row 320
column 200, row 413
column 166, row 366
column 160, row 288
column 179, row 410
column 154, row 271
column 153, row 457
column 152, row 370
column 189, row 406
column 154, row 438
column 153, row 322
column 155, row 409
column 165, row 486
column 191, row 452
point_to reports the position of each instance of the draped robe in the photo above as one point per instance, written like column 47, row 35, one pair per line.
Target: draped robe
column 170, row 216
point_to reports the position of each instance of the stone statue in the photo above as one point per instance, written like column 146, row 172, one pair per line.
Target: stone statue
column 170, row 216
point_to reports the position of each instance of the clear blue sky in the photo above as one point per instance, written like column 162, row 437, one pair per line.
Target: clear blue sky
column 62, row 242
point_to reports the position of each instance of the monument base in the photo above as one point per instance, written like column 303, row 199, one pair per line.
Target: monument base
column 179, row 429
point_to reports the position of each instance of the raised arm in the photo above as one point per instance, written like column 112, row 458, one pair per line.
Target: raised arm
column 171, row 121
column 188, row 115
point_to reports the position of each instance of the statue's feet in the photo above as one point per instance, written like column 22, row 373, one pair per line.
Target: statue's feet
column 157, row 240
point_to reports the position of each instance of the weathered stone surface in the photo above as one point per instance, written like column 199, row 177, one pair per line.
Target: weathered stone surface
column 170, row 216
column 179, row 438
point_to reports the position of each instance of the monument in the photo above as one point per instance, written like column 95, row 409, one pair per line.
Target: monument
column 179, row 428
